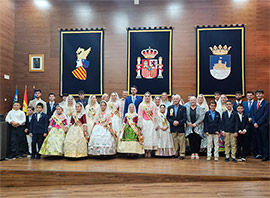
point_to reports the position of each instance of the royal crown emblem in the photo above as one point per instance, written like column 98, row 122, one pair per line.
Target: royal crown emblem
column 80, row 71
column 220, row 62
column 149, row 67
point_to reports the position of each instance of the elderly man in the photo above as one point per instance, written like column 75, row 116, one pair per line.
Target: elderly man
column 194, row 129
column 176, row 115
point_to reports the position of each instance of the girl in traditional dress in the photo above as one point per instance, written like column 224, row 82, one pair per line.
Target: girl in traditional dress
column 147, row 121
column 165, row 142
column 130, row 139
column 114, row 106
column 69, row 107
column 221, row 107
column 201, row 101
column 54, row 142
column 91, row 110
column 75, row 144
column 102, row 138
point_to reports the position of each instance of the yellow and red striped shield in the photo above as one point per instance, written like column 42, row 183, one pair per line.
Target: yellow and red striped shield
column 80, row 73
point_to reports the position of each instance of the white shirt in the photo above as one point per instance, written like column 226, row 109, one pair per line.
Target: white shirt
column 38, row 116
column 238, row 102
column 240, row 116
column 16, row 116
column 229, row 113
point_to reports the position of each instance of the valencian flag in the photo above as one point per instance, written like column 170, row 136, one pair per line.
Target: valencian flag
column 16, row 98
column 150, row 60
column 25, row 101
column 81, row 61
column 34, row 89
column 220, row 59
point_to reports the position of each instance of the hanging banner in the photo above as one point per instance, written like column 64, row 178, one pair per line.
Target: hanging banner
column 220, row 59
column 149, row 64
column 81, row 61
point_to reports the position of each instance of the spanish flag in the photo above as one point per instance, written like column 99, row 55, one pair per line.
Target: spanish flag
column 25, row 102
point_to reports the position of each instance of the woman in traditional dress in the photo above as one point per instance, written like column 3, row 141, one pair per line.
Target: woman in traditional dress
column 105, row 97
column 54, row 142
column 114, row 106
column 75, row 144
column 221, row 107
column 147, row 121
column 91, row 110
column 130, row 139
column 165, row 140
column 201, row 101
column 69, row 107
column 103, row 137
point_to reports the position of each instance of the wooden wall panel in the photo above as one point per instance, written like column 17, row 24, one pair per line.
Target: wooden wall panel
column 36, row 31
column 7, row 20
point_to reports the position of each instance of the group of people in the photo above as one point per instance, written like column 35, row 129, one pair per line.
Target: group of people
column 141, row 126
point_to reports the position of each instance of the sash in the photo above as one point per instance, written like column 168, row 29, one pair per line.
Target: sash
column 148, row 112
column 135, row 129
column 113, row 109
column 91, row 112
column 164, row 119
column 103, row 122
column 58, row 121
column 78, row 122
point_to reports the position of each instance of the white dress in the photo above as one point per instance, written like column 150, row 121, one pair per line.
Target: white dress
column 116, row 116
column 148, row 124
column 101, row 140
column 90, row 116
column 165, row 140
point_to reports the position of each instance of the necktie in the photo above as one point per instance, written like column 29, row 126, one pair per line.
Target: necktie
column 249, row 105
column 133, row 99
column 51, row 106
column 258, row 105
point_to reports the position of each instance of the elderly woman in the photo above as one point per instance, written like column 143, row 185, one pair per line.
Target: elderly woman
column 194, row 129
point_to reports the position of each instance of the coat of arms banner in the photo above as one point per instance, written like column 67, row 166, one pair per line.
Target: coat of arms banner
column 220, row 59
column 149, row 64
column 81, row 61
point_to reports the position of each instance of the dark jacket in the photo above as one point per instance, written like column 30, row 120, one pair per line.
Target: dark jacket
column 241, row 125
column 28, row 123
column 261, row 115
column 84, row 102
column 41, row 126
column 210, row 125
column 246, row 110
column 181, row 117
column 228, row 124
column 49, row 112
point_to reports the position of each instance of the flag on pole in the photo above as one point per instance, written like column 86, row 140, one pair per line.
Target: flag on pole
column 25, row 102
column 34, row 89
column 15, row 96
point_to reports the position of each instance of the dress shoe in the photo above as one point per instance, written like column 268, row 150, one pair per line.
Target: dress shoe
column 234, row 160
column 216, row 159
column 208, row 158
column 38, row 157
column 11, row 157
column 258, row 157
column 226, row 160
column 243, row 159
column 265, row 159
column 181, row 158
column 33, row 157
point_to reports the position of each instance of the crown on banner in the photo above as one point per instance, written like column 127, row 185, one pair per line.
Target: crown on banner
column 149, row 53
column 220, row 50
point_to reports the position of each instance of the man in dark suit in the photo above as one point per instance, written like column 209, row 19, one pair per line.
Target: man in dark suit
column 241, row 127
column 38, row 130
column 136, row 100
column 51, row 105
column 30, row 112
column 82, row 98
column 251, row 144
column 228, row 131
column 177, row 117
column 260, row 116
column 238, row 97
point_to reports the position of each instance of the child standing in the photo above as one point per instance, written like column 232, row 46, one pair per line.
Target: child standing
column 241, row 126
column 228, row 131
column 38, row 130
column 16, row 118
column 30, row 111
column 212, row 124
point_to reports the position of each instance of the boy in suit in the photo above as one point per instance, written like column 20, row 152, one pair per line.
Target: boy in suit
column 238, row 97
column 241, row 126
column 212, row 125
column 260, row 116
column 30, row 111
column 51, row 105
column 177, row 117
column 228, row 131
column 16, row 118
column 82, row 98
column 38, row 130
column 136, row 100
